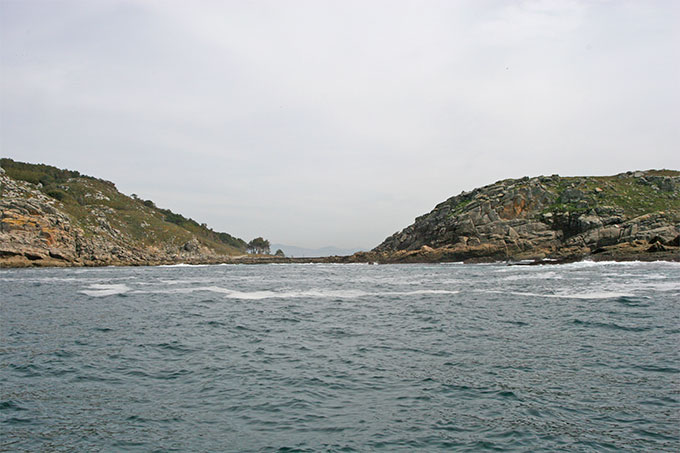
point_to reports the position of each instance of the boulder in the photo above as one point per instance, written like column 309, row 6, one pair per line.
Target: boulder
column 191, row 246
column 657, row 247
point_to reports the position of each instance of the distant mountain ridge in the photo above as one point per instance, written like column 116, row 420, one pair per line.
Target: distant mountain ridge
column 632, row 215
column 55, row 217
column 304, row 252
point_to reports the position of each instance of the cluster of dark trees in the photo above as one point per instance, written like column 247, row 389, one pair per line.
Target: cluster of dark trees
column 259, row 246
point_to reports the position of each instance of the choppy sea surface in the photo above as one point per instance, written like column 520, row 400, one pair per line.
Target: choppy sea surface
column 447, row 357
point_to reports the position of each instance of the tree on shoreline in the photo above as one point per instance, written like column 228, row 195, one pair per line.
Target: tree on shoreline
column 259, row 246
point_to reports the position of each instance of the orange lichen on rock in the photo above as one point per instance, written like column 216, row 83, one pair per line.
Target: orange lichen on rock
column 513, row 209
column 18, row 221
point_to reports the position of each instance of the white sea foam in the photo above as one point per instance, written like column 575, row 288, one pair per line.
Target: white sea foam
column 262, row 294
column 594, row 295
column 653, row 285
column 577, row 295
column 315, row 293
column 329, row 294
column 421, row 291
column 98, row 290
column 588, row 263
column 183, row 281
column 105, row 269
column 213, row 289
column 257, row 295
column 310, row 293
column 535, row 276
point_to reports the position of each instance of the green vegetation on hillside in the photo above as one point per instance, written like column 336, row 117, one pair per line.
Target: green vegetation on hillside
column 37, row 173
column 634, row 196
column 93, row 202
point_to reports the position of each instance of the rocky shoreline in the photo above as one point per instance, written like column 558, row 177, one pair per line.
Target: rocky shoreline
column 448, row 255
column 425, row 257
column 633, row 216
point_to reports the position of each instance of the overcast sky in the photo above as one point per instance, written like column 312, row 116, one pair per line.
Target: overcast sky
column 318, row 123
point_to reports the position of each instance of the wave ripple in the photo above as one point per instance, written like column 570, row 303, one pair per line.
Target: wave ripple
column 580, row 357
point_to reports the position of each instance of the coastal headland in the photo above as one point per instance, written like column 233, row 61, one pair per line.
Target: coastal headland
column 629, row 216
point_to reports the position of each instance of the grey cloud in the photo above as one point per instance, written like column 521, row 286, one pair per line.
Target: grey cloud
column 335, row 123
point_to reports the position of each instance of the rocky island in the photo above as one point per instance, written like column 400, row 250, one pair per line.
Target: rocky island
column 629, row 216
column 54, row 217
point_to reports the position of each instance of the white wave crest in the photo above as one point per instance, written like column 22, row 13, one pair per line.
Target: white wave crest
column 536, row 276
column 316, row 293
column 98, row 290
column 594, row 295
column 584, row 295
column 420, row 291
column 329, row 294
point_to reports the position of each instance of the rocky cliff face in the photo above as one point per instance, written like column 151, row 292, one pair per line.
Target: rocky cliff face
column 95, row 225
column 634, row 215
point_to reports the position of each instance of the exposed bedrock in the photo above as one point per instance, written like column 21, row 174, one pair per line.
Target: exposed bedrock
column 547, row 218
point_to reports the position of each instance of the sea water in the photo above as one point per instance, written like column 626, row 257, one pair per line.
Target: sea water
column 447, row 357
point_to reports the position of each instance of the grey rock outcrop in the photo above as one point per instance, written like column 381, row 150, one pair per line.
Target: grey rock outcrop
column 545, row 218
